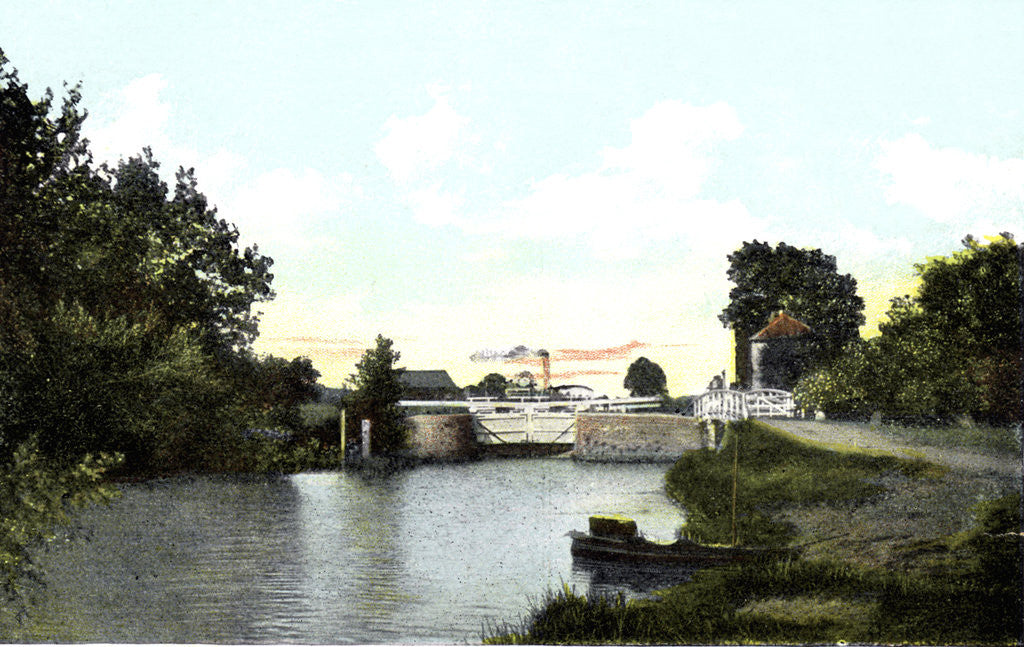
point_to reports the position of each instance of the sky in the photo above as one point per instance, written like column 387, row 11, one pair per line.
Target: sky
column 474, row 176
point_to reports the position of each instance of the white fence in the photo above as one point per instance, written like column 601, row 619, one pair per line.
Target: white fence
column 726, row 404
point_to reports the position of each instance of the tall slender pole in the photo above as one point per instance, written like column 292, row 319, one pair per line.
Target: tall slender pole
column 342, row 426
column 735, row 468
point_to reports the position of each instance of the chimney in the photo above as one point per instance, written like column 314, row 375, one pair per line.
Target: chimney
column 546, row 362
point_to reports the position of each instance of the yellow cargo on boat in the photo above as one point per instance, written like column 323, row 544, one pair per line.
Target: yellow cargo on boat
column 612, row 525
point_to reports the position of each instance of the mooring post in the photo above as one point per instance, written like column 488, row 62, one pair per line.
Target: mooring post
column 735, row 469
column 366, row 438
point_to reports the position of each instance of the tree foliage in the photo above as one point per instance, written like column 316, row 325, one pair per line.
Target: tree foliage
column 378, row 389
column 806, row 284
column 274, row 388
column 35, row 499
column 953, row 349
column 122, row 303
column 123, row 306
column 492, row 386
column 645, row 378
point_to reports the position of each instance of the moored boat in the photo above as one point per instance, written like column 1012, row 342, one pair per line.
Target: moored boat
column 614, row 538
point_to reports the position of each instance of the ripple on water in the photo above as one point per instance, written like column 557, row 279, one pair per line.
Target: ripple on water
column 432, row 554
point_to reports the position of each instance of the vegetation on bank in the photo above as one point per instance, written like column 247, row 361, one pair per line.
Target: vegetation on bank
column 128, row 308
column 951, row 350
column 963, row 588
column 772, row 468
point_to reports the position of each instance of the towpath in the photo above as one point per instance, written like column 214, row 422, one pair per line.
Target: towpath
column 864, row 436
column 879, row 531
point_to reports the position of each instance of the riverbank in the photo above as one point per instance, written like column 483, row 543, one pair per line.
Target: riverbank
column 903, row 553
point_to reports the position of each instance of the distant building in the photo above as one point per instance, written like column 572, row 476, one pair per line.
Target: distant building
column 574, row 392
column 773, row 352
column 428, row 385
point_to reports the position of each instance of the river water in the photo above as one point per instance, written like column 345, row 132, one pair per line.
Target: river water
column 435, row 554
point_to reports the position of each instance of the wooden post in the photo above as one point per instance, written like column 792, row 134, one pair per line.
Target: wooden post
column 366, row 438
column 735, row 469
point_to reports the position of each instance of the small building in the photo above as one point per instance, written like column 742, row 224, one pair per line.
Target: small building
column 428, row 385
column 774, row 355
column 573, row 392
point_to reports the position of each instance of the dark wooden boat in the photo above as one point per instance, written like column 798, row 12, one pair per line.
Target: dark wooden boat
column 616, row 539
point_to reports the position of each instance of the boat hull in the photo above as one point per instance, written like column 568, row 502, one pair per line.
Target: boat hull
column 637, row 550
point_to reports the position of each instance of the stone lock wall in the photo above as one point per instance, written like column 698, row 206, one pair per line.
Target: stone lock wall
column 641, row 437
column 442, row 437
column 614, row 437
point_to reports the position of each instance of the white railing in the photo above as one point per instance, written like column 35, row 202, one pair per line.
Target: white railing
column 726, row 404
column 770, row 403
column 723, row 404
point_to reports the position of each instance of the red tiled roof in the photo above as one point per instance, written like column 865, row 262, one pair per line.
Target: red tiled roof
column 782, row 326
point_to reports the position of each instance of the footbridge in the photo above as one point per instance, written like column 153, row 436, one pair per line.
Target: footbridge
column 531, row 421
column 730, row 404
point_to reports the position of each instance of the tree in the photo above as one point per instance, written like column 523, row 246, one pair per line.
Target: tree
column 952, row 349
column 274, row 388
column 36, row 499
column 121, row 306
column 378, row 388
column 645, row 378
column 806, row 284
column 493, row 385
column 173, row 255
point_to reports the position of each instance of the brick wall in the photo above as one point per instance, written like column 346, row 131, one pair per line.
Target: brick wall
column 636, row 437
column 442, row 437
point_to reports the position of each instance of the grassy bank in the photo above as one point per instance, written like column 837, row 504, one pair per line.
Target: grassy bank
column 956, row 588
column 773, row 468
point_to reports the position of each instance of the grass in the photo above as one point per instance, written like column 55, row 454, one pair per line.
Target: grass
column 773, row 468
column 984, row 438
column 963, row 588
column 974, row 598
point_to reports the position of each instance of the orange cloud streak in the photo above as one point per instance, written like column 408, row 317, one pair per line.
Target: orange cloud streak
column 561, row 375
column 597, row 354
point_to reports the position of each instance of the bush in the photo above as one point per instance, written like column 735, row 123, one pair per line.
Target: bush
column 35, row 499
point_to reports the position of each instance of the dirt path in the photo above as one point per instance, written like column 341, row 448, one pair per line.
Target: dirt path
column 878, row 531
column 861, row 435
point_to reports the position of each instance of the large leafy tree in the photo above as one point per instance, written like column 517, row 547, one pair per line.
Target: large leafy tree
column 121, row 306
column 954, row 348
column 378, row 389
column 806, row 284
column 645, row 378
column 121, row 303
column 141, row 248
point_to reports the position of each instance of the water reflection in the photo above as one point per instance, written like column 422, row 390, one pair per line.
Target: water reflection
column 427, row 555
column 632, row 580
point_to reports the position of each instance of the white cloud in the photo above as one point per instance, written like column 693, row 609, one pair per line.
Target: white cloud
column 952, row 186
column 433, row 205
column 673, row 145
column 283, row 207
column 850, row 241
column 140, row 118
column 486, row 255
column 278, row 208
column 421, row 143
column 137, row 116
column 645, row 191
